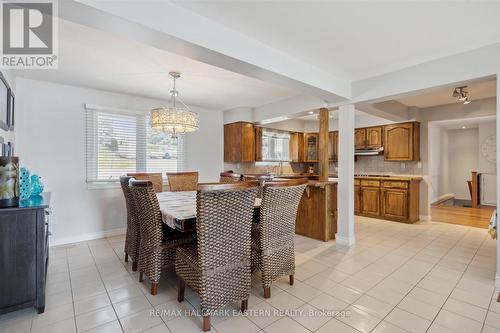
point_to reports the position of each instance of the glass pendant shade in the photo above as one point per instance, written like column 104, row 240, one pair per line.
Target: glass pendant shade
column 176, row 117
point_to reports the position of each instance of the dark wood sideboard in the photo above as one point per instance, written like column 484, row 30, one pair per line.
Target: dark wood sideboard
column 24, row 254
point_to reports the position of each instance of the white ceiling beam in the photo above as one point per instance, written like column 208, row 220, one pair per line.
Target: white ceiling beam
column 390, row 110
column 163, row 25
column 449, row 71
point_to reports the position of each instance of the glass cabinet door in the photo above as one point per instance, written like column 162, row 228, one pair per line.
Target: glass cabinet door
column 311, row 147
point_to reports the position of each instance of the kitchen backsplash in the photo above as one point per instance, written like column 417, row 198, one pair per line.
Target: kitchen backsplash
column 377, row 164
column 364, row 164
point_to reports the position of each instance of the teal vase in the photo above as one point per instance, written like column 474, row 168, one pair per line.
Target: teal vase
column 36, row 185
column 24, row 184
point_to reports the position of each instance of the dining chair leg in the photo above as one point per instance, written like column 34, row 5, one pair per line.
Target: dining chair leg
column 134, row 265
column 267, row 292
column 180, row 290
column 244, row 305
column 206, row 323
column 291, row 280
column 126, row 257
column 154, row 288
column 141, row 276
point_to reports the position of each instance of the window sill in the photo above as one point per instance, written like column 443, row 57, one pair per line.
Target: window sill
column 103, row 185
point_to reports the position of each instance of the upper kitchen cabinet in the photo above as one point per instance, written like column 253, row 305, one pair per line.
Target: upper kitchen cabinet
column 297, row 149
column 359, row 138
column 369, row 137
column 333, row 146
column 402, row 142
column 311, row 147
column 374, row 137
column 239, row 142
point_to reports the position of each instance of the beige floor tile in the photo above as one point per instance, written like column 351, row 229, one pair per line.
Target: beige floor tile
column 185, row 325
column 263, row 314
column 64, row 326
column 465, row 309
column 408, row 321
column 285, row 325
column 436, row 328
column 53, row 315
column 124, row 293
column 111, row 327
column 419, row 308
column 471, row 297
column 95, row 318
column 336, row 326
column 360, row 320
column 457, row 323
column 303, row 291
column 139, row 321
column 493, row 319
column 91, row 303
column 386, row 327
column 373, row 306
column 131, row 305
column 236, row 324
column 310, row 317
column 345, row 294
column 285, row 301
column 328, row 302
column 162, row 328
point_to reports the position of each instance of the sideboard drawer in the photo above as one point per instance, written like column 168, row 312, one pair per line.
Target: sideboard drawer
column 370, row 182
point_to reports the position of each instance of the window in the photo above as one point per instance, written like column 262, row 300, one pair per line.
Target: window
column 275, row 145
column 121, row 141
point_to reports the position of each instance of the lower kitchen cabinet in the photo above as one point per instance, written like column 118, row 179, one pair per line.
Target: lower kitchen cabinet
column 395, row 204
column 392, row 199
column 370, row 201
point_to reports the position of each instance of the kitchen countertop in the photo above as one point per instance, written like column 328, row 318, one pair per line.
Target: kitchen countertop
column 390, row 177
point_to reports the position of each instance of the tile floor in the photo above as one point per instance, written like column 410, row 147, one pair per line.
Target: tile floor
column 426, row 277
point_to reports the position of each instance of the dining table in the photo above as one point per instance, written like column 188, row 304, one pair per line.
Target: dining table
column 178, row 209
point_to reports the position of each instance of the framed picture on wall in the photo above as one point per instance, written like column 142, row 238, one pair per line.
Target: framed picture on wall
column 12, row 104
column 4, row 103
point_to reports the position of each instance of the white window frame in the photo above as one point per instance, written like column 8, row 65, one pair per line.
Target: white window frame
column 92, row 182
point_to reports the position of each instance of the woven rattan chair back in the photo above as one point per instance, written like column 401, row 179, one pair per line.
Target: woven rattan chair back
column 229, row 177
column 132, row 237
column 155, row 178
column 278, row 213
column 224, row 221
column 182, row 181
column 149, row 214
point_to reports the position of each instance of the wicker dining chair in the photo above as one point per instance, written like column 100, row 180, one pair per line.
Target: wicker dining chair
column 155, row 178
column 133, row 236
column 273, row 237
column 182, row 181
column 218, row 266
column 229, row 177
column 158, row 243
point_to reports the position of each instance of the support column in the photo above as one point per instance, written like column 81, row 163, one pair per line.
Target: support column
column 497, row 280
column 324, row 117
column 345, row 197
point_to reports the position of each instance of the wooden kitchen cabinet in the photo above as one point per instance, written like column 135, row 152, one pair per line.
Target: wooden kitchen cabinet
column 374, row 137
column 311, row 147
column 297, row 149
column 333, row 146
column 402, row 142
column 239, row 142
column 395, row 204
column 370, row 197
column 359, row 138
column 394, row 199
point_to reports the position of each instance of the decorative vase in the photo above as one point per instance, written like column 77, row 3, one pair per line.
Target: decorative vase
column 9, row 181
column 24, row 184
column 36, row 185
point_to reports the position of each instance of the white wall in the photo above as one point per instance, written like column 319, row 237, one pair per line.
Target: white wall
column 486, row 131
column 50, row 140
column 462, row 157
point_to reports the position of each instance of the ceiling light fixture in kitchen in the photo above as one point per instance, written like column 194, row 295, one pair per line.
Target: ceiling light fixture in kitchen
column 462, row 94
column 176, row 117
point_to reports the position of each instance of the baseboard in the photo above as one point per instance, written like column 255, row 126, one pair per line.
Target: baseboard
column 342, row 240
column 442, row 198
column 497, row 281
column 53, row 241
column 424, row 218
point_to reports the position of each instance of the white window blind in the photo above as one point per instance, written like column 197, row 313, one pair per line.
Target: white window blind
column 121, row 141
column 275, row 145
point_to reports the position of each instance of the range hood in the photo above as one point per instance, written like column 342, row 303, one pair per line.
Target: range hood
column 368, row 151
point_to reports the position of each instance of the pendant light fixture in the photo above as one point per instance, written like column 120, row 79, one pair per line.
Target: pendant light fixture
column 176, row 117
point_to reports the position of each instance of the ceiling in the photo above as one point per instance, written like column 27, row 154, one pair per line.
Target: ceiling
column 477, row 90
column 468, row 123
column 94, row 59
column 359, row 39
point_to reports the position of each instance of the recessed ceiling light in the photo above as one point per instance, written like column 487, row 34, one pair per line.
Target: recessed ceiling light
column 311, row 112
column 463, row 127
